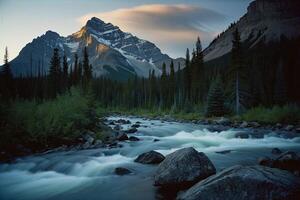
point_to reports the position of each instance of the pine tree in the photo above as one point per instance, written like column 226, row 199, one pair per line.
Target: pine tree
column 215, row 99
column 187, row 76
column 6, row 77
column 164, row 87
column 75, row 70
column 236, row 74
column 65, row 73
column 87, row 73
column 171, row 84
column 54, row 74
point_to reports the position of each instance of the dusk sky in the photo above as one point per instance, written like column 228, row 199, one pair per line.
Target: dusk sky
column 172, row 25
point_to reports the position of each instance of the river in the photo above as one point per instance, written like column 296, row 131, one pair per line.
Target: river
column 89, row 174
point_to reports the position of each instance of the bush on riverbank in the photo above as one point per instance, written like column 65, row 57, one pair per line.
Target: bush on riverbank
column 63, row 117
column 285, row 114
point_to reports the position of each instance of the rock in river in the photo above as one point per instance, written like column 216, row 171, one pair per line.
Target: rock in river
column 151, row 157
column 183, row 167
column 122, row 171
column 247, row 183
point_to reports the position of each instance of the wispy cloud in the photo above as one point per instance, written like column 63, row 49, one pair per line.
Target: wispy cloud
column 165, row 25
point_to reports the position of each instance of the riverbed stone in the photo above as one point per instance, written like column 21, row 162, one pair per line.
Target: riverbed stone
column 135, row 125
column 288, row 161
column 242, row 135
column 122, row 137
column 183, row 167
column 244, row 124
column 133, row 138
column 151, row 157
column 131, row 130
column 223, row 121
column 276, row 151
column 217, row 128
column 122, row 171
column 247, row 183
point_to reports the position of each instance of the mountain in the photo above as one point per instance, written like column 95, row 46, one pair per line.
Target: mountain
column 265, row 20
column 113, row 53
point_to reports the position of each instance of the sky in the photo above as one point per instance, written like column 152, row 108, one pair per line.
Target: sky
column 173, row 25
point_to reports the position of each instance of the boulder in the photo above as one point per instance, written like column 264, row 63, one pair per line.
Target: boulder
column 122, row 137
column 223, row 152
column 223, row 121
column 156, row 140
column 117, row 127
column 88, row 137
column 151, row 157
column 244, row 124
column 122, row 171
column 247, row 183
column 123, row 121
column 183, row 167
column 135, row 126
column 288, row 161
column 132, row 138
column 276, row 151
column 217, row 128
column 131, row 130
column 289, row 127
column 265, row 161
column 242, row 135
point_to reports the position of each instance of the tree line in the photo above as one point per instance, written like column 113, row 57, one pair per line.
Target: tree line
column 246, row 77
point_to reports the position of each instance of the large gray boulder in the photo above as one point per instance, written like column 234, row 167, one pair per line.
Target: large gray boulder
column 183, row 167
column 151, row 157
column 247, row 183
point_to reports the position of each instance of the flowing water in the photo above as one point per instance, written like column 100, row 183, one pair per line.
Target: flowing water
column 89, row 174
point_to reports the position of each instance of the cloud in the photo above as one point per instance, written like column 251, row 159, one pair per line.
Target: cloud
column 165, row 25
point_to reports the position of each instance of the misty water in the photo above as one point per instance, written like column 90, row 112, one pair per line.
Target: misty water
column 89, row 174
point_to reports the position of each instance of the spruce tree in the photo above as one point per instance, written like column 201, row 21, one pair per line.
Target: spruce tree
column 65, row 72
column 215, row 99
column 171, row 84
column 6, row 78
column 54, row 74
column 187, row 76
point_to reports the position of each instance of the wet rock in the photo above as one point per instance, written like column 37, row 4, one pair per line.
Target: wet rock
column 254, row 124
column 122, row 171
column 276, row 151
column 288, row 161
column 98, row 144
column 223, row 121
column 265, row 161
column 183, row 167
column 156, row 140
column 135, row 125
column 223, row 152
column 297, row 130
column 132, row 138
column 131, row 130
column 151, row 157
column 289, row 127
column 111, row 123
column 244, row 124
column 122, row 137
column 123, row 121
column 87, row 136
column 117, row 127
column 217, row 128
column 278, row 125
column 246, row 182
column 242, row 135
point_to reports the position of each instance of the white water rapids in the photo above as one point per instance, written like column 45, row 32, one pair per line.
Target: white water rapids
column 89, row 174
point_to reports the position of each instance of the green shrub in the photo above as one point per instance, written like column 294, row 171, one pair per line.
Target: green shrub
column 63, row 116
column 284, row 114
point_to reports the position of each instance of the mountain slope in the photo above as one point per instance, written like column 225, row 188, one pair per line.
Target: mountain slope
column 265, row 20
column 113, row 53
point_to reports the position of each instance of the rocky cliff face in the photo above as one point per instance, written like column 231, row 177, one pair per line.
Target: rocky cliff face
column 265, row 20
column 112, row 52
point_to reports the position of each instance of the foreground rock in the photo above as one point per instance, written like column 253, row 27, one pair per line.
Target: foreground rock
column 151, row 157
column 122, row 171
column 182, row 168
column 287, row 161
column 131, row 130
column 247, row 183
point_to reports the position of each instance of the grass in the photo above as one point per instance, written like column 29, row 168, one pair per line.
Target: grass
column 288, row 114
column 277, row 114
